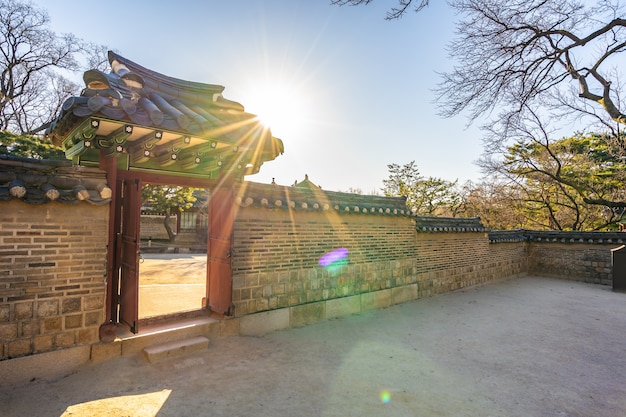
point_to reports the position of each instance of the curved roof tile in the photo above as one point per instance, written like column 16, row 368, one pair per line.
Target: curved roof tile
column 149, row 102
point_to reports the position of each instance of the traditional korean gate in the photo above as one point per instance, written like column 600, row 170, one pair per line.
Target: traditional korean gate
column 128, row 255
column 137, row 123
column 128, row 219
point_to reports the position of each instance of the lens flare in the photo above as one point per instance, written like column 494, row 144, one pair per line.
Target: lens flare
column 333, row 257
column 385, row 396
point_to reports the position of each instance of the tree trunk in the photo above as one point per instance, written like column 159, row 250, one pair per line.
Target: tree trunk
column 168, row 228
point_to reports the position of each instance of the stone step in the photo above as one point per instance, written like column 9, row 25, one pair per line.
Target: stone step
column 169, row 332
column 175, row 348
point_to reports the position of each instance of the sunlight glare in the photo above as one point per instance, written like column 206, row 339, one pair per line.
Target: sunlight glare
column 144, row 405
column 279, row 106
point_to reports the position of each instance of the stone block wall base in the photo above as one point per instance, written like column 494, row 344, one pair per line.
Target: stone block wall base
column 301, row 315
column 47, row 365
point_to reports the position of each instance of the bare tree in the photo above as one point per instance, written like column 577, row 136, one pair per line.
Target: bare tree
column 510, row 53
column 394, row 12
column 30, row 55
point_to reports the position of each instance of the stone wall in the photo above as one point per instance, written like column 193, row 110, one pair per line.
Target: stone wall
column 579, row 262
column 278, row 252
column 152, row 226
column 452, row 260
column 52, row 275
column 391, row 256
column 579, row 256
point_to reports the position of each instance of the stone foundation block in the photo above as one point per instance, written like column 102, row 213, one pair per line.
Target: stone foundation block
column 47, row 308
column 88, row 335
column 48, row 365
column 20, row 347
column 229, row 327
column 23, row 311
column 71, row 305
column 4, row 313
column 66, row 339
column 42, row 343
column 307, row 314
column 340, row 307
column 94, row 302
column 265, row 322
column 51, row 324
column 103, row 351
column 404, row 294
column 375, row 300
column 8, row 331
column 73, row 321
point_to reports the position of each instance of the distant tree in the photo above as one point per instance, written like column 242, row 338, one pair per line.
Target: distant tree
column 575, row 183
column 497, row 203
column 28, row 146
column 167, row 200
column 424, row 196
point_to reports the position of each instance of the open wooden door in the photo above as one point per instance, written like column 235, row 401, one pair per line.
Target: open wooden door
column 219, row 251
column 128, row 244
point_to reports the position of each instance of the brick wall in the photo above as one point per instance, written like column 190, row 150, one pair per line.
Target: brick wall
column 449, row 261
column 277, row 254
column 152, row 226
column 572, row 255
column 579, row 261
column 52, row 275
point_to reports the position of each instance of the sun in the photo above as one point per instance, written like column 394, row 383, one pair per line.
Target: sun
column 280, row 107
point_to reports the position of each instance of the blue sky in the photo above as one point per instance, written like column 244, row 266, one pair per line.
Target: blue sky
column 347, row 91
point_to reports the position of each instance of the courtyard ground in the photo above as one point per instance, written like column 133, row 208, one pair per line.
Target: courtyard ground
column 171, row 283
column 524, row 347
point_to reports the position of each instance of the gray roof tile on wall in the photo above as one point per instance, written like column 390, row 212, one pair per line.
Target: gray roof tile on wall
column 432, row 224
column 306, row 196
column 40, row 181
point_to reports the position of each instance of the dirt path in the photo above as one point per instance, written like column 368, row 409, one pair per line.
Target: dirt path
column 527, row 347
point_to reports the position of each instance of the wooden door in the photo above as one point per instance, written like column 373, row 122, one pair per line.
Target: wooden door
column 220, row 242
column 128, row 243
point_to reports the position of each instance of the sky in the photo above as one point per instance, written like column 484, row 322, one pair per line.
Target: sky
column 347, row 91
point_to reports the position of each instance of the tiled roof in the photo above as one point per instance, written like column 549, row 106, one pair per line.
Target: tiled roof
column 428, row 224
column 507, row 236
column 307, row 197
column 555, row 236
column 37, row 182
column 550, row 236
column 161, row 122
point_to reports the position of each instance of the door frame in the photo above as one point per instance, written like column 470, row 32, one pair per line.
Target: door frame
column 219, row 279
column 127, row 252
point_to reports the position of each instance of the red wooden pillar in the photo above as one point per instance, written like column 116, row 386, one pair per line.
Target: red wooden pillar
column 107, row 330
column 219, row 250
